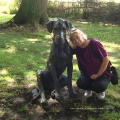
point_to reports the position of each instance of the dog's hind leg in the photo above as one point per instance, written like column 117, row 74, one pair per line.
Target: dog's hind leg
column 40, row 89
column 43, row 100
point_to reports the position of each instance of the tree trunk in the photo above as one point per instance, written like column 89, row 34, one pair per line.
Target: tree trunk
column 31, row 12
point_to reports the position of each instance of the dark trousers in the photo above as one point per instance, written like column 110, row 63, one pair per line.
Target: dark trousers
column 98, row 85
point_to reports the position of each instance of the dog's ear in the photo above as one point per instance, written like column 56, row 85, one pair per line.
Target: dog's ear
column 50, row 24
column 68, row 25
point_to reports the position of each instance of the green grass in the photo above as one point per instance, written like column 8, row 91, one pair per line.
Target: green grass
column 23, row 53
column 5, row 17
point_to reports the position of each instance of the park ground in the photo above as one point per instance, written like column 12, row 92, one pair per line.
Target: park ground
column 23, row 51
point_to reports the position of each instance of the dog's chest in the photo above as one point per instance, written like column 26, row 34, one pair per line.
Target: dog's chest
column 61, row 64
column 61, row 61
column 60, row 58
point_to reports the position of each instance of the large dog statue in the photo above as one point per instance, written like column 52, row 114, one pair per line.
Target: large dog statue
column 60, row 58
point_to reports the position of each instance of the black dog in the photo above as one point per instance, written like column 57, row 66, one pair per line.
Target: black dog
column 60, row 57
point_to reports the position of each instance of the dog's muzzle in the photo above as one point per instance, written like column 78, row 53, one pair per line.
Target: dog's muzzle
column 59, row 39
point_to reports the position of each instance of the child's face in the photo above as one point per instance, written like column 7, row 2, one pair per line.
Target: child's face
column 77, row 39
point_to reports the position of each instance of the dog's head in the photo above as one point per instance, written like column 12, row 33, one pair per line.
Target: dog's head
column 59, row 27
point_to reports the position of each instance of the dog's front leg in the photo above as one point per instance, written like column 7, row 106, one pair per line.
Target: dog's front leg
column 69, row 72
column 58, row 95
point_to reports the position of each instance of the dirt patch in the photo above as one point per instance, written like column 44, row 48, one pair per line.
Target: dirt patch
column 20, row 108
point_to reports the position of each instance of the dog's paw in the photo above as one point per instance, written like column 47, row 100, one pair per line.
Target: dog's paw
column 44, row 104
column 53, row 94
column 43, row 101
column 59, row 98
column 73, row 95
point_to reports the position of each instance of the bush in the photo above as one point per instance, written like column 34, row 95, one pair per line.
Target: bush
column 7, row 7
column 88, row 9
column 3, row 7
column 13, row 9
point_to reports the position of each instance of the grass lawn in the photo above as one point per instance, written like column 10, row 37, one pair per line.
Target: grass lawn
column 22, row 53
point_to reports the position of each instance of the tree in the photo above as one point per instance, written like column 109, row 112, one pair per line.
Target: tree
column 31, row 12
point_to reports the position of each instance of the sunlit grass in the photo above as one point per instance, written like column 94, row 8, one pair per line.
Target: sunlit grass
column 4, row 72
column 5, row 17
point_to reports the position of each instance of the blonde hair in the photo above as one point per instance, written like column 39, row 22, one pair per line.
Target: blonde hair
column 75, row 30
